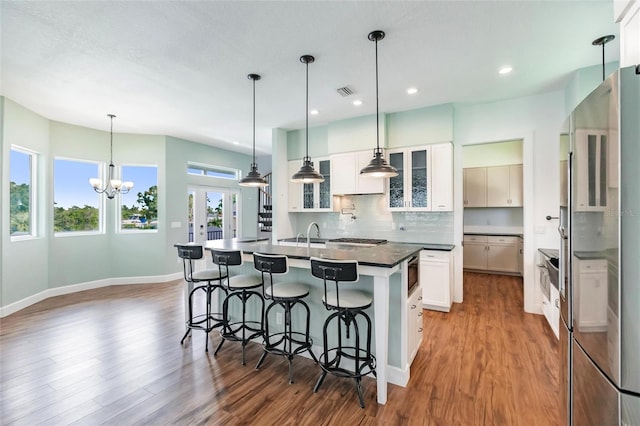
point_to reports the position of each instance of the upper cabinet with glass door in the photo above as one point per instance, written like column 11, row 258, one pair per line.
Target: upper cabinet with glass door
column 425, row 175
column 308, row 197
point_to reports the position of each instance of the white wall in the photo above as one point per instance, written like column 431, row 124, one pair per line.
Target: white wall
column 25, row 263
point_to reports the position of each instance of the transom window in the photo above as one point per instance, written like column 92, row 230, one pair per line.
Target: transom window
column 212, row 171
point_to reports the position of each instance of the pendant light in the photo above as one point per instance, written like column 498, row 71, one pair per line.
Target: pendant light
column 378, row 166
column 253, row 178
column 601, row 41
column 307, row 174
column 114, row 186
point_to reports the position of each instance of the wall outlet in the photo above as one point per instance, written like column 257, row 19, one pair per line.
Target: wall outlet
column 279, row 318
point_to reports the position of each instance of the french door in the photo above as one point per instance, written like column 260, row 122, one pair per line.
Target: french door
column 212, row 213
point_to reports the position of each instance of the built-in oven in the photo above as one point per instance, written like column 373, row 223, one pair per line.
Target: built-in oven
column 412, row 273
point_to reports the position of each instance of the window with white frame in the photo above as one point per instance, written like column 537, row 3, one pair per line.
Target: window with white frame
column 76, row 206
column 212, row 171
column 22, row 167
column 139, row 207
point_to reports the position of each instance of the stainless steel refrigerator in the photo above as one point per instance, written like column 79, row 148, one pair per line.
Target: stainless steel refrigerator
column 600, row 256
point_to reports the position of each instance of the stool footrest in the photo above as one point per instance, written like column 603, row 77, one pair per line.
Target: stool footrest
column 330, row 362
column 283, row 339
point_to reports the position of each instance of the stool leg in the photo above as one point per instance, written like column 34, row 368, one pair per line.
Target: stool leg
column 209, row 290
column 359, row 388
column 225, row 321
column 266, row 337
column 189, row 296
column 319, row 382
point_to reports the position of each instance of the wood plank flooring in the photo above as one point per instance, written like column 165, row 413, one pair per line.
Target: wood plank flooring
column 112, row 356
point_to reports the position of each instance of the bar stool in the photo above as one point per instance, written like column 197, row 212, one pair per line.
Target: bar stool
column 189, row 253
column 285, row 295
column 349, row 305
column 244, row 288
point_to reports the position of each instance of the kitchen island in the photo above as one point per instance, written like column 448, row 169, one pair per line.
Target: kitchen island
column 379, row 263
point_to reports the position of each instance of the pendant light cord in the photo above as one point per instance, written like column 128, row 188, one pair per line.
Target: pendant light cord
column 254, row 121
column 377, row 113
column 111, row 141
column 307, row 114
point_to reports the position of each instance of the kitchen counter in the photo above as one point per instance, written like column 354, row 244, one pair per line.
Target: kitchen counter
column 425, row 246
column 549, row 252
column 495, row 234
column 378, row 262
column 386, row 255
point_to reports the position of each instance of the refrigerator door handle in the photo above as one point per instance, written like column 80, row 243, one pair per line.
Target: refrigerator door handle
column 562, row 232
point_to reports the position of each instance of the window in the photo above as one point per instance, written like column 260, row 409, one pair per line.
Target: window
column 212, row 171
column 77, row 206
column 22, row 166
column 139, row 207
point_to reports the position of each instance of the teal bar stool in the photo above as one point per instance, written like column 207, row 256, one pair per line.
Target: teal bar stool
column 346, row 358
column 286, row 295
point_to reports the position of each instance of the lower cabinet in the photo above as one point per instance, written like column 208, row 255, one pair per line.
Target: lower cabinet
column 436, row 279
column 590, row 294
column 414, row 324
column 491, row 253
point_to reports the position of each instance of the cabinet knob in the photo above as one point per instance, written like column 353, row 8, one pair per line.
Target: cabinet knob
column 557, row 303
column 420, row 314
column 413, row 306
column 420, row 330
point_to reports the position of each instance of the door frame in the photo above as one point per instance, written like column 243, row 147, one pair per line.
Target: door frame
column 200, row 208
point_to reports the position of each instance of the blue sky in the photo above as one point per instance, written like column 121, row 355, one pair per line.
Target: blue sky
column 71, row 183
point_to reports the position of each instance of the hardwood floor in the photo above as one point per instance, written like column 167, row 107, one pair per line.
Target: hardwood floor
column 112, row 356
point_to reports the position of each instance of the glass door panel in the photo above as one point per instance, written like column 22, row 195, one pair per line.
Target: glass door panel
column 325, row 187
column 396, row 184
column 419, row 179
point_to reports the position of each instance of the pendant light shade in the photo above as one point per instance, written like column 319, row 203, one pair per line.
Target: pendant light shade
column 378, row 166
column 307, row 174
column 253, row 178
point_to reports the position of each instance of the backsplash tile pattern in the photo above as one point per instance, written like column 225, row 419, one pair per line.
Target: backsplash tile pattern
column 374, row 220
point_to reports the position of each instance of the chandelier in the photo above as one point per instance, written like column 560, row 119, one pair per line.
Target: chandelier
column 113, row 186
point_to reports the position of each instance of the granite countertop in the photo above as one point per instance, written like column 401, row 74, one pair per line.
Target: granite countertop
column 550, row 252
column 382, row 256
column 425, row 246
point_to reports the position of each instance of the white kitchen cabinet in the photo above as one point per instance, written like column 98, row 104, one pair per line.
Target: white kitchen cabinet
column 590, row 295
column 497, row 186
column 414, row 324
column 295, row 189
column 442, row 177
column 591, row 170
column 491, row 253
column 502, row 254
column 474, row 252
column 418, row 173
column 521, row 256
column 504, row 186
column 346, row 178
column 436, row 279
column 475, row 187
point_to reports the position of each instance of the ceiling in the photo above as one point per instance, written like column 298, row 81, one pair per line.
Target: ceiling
column 180, row 68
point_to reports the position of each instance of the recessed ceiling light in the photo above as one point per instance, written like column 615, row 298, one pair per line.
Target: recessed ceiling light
column 236, row 143
column 412, row 90
column 505, row 70
column 357, row 102
column 314, row 112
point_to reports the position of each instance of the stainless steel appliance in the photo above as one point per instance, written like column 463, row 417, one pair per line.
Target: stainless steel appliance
column 600, row 257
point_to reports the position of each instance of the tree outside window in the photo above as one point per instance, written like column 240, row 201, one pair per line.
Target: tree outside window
column 20, row 192
column 139, row 209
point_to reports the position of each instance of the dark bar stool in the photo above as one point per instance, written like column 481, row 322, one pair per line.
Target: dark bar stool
column 202, row 280
column 286, row 295
column 242, row 287
column 349, row 305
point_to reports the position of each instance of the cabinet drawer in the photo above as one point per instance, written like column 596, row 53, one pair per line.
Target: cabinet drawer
column 492, row 239
column 475, row 238
column 598, row 265
column 434, row 256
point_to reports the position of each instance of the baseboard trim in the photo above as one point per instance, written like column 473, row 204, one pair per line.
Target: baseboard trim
column 90, row 285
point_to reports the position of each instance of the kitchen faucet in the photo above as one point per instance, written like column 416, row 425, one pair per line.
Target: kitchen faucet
column 300, row 234
column 309, row 233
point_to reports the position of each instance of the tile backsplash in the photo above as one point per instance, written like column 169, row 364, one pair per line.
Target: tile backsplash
column 374, row 220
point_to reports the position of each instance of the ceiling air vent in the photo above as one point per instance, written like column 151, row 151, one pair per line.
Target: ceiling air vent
column 344, row 91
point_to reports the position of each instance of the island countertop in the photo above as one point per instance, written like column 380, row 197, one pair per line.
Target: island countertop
column 386, row 255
